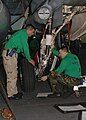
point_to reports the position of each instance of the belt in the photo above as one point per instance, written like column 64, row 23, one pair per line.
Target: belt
column 67, row 76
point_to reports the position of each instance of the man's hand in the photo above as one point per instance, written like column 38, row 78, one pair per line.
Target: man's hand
column 53, row 74
column 44, row 78
column 32, row 62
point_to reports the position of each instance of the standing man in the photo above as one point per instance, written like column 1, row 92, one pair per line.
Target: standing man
column 18, row 43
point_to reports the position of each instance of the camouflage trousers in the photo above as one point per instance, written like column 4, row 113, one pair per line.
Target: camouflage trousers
column 10, row 65
column 60, row 82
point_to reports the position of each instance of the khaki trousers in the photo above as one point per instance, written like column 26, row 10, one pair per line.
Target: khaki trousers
column 10, row 65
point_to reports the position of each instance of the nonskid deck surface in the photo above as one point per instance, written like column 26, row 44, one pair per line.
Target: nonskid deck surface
column 33, row 108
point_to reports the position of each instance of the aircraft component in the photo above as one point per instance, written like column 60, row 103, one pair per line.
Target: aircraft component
column 49, row 39
column 43, row 14
column 4, row 21
column 78, row 26
column 74, row 2
column 38, row 16
column 54, row 63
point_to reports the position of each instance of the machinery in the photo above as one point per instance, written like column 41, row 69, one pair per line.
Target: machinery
column 56, row 16
column 49, row 17
column 4, row 21
column 38, row 13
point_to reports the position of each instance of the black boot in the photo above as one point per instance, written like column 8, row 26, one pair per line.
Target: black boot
column 17, row 96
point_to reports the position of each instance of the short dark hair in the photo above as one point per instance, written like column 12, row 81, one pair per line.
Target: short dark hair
column 30, row 27
column 63, row 46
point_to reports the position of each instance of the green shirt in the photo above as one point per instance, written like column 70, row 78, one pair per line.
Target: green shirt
column 70, row 66
column 19, row 41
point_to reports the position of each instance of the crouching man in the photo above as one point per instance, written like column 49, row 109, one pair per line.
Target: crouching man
column 68, row 73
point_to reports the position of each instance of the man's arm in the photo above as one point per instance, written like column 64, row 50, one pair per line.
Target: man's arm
column 27, row 53
column 61, row 67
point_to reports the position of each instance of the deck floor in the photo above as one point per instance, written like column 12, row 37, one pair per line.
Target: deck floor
column 33, row 108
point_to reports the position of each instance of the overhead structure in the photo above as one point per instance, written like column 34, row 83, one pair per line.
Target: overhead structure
column 41, row 10
column 74, row 2
column 4, row 21
column 78, row 26
column 39, row 13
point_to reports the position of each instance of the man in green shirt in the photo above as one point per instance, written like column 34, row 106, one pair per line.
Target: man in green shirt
column 18, row 43
column 70, row 65
column 68, row 72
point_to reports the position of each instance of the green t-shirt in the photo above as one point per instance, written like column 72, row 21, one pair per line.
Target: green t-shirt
column 70, row 66
column 19, row 42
